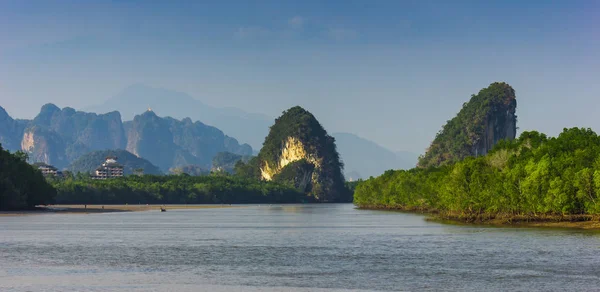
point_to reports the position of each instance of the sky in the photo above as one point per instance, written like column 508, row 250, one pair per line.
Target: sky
column 390, row 71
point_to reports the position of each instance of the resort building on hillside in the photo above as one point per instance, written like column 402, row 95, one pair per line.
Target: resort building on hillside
column 109, row 169
column 47, row 169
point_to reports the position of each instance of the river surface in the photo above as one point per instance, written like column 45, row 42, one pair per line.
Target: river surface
column 287, row 248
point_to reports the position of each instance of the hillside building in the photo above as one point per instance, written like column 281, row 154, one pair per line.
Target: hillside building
column 47, row 169
column 109, row 169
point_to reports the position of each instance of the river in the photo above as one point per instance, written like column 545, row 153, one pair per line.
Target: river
column 329, row 247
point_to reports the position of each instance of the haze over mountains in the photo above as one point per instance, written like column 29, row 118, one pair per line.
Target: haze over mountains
column 246, row 127
column 362, row 157
column 187, row 132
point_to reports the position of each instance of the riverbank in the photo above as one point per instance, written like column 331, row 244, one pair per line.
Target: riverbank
column 591, row 222
column 89, row 209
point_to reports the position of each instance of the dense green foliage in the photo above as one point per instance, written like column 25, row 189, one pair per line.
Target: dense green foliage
column 327, row 179
column 249, row 169
column 531, row 176
column 175, row 189
column 89, row 162
column 21, row 185
column 466, row 133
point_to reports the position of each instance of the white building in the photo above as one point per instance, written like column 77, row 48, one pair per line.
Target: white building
column 109, row 169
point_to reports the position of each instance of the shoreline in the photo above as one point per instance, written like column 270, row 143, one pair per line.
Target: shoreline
column 95, row 209
column 586, row 222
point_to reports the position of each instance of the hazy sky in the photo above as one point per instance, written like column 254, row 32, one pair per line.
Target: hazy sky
column 390, row 71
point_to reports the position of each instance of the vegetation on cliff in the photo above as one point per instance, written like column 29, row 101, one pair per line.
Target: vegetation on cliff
column 531, row 177
column 299, row 152
column 21, row 185
column 486, row 119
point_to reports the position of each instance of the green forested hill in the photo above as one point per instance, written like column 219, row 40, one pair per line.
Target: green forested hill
column 89, row 162
column 299, row 152
column 487, row 118
column 21, row 185
column 531, row 176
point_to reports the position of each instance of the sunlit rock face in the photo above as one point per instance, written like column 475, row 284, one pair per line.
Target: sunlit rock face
column 299, row 151
column 292, row 150
column 44, row 146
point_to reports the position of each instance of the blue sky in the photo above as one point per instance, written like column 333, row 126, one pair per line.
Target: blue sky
column 390, row 71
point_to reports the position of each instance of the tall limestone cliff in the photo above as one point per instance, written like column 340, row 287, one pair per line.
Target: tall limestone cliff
column 299, row 151
column 43, row 145
column 483, row 121
column 58, row 136
column 94, row 131
column 169, row 143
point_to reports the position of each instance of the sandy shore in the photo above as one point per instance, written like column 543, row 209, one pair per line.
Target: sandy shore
column 83, row 209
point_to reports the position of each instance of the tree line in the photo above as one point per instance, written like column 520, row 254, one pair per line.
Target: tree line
column 21, row 185
column 174, row 189
column 530, row 176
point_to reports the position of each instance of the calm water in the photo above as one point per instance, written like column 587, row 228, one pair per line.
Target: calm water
column 287, row 248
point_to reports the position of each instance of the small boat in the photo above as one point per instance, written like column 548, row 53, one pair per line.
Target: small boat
column 162, row 209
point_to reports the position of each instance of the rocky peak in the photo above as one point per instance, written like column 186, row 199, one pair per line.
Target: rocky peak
column 168, row 142
column 299, row 151
column 487, row 118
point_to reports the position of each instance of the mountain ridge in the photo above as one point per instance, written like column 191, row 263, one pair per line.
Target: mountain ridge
column 59, row 136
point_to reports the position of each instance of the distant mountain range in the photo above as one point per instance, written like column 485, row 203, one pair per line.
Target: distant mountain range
column 361, row 156
column 60, row 136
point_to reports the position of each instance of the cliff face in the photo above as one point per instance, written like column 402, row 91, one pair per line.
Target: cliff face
column 486, row 119
column 292, row 150
column 149, row 137
column 299, row 151
column 45, row 146
column 169, row 143
column 11, row 131
column 58, row 136
column 500, row 126
column 104, row 131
